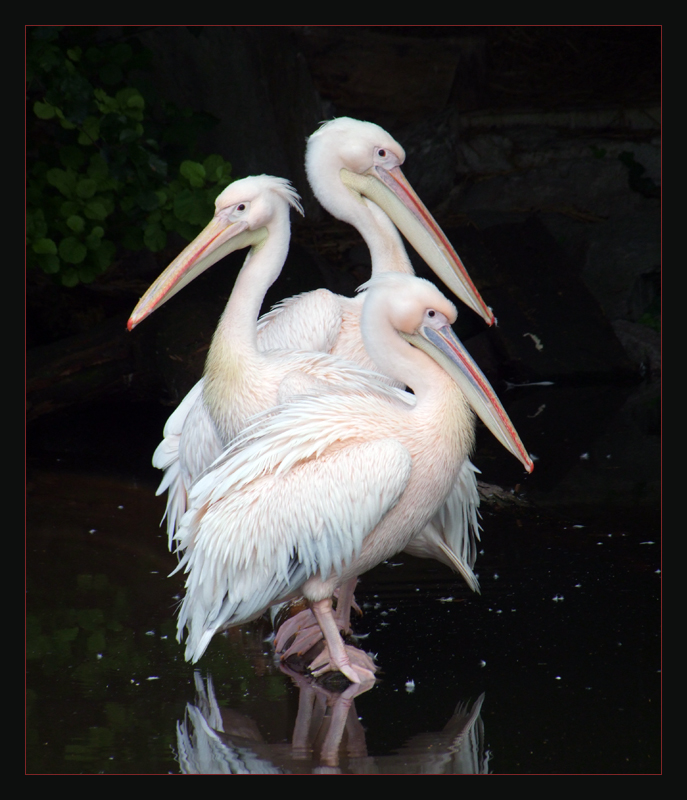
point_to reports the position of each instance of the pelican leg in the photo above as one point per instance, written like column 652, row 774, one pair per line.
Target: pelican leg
column 297, row 634
column 357, row 666
column 303, row 634
column 345, row 601
column 300, row 633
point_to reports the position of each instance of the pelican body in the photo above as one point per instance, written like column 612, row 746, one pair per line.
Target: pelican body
column 324, row 487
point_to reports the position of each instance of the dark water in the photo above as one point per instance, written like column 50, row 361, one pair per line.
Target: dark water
column 554, row 668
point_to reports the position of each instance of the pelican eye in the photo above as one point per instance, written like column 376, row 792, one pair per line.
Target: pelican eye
column 241, row 207
column 431, row 312
column 381, row 153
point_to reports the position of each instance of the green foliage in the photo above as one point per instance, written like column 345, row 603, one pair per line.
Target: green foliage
column 111, row 166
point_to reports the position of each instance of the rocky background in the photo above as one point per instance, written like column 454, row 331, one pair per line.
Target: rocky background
column 538, row 151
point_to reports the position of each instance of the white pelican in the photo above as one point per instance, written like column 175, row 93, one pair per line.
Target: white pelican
column 354, row 170
column 240, row 379
column 321, row 488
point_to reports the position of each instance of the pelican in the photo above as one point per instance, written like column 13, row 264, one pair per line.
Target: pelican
column 326, row 486
column 354, row 170
column 240, row 379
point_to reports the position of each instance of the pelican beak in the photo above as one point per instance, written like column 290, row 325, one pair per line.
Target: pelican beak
column 444, row 347
column 390, row 190
column 213, row 243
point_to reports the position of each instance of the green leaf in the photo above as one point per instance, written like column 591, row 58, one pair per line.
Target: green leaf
column 48, row 57
column 94, row 238
column 50, row 264
column 86, row 188
column 136, row 101
column 189, row 207
column 193, row 172
column 130, row 98
column 76, row 223
column 43, row 110
column 108, row 105
column 63, row 180
column 154, row 237
column 213, row 166
column 218, row 170
column 45, row 247
column 90, row 131
column 72, row 250
column 95, row 210
column 36, row 227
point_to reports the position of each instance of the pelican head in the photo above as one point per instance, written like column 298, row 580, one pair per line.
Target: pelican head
column 367, row 161
column 422, row 316
column 244, row 213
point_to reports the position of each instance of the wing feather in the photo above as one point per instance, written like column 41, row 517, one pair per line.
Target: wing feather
column 452, row 535
column 256, row 530
column 307, row 321
column 190, row 444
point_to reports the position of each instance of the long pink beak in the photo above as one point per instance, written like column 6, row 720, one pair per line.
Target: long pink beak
column 217, row 240
column 446, row 349
column 390, row 190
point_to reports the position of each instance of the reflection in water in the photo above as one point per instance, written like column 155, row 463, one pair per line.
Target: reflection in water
column 106, row 683
column 328, row 738
column 208, row 749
